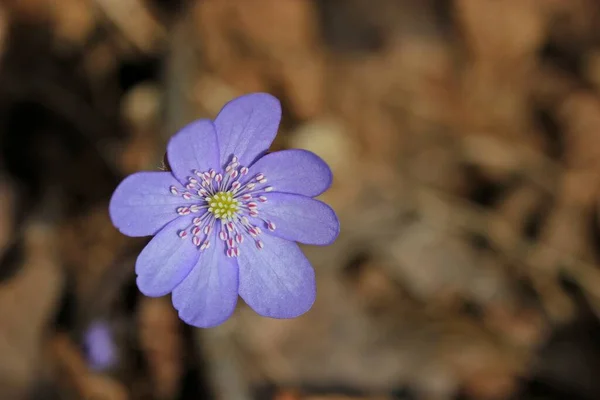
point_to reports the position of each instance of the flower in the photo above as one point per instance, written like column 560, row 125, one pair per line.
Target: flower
column 99, row 346
column 226, row 217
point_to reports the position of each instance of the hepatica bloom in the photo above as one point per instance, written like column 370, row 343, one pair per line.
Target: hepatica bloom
column 226, row 217
column 100, row 349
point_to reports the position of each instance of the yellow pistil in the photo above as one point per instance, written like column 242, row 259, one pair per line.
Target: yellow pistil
column 223, row 206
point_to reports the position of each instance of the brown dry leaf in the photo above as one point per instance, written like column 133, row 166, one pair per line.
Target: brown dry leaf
column 141, row 106
column 512, row 215
column 4, row 24
column 303, row 83
column 502, row 31
column 73, row 373
column 98, row 387
column 566, row 229
column 485, row 369
column 592, row 68
column 340, row 397
column 572, row 24
column 7, row 213
column 496, row 157
column 91, row 246
column 74, row 20
column 101, row 61
column 278, row 27
column 523, row 326
column 215, row 25
column 277, row 47
column 141, row 109
column 432, row 264
column 28, row 302
column 288, row 395
column 160, row 340
column 143, row 31
column 35, row 11
column 286, row 32
column 580, row 116
column 403, row 89
column 503, row 39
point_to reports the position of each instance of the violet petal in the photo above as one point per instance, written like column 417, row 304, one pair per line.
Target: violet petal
column 246, row 127
column 166, row 260
column 207, row 297
column 300, row 219
column 193, row 148
column 276, row 281
column 100, row 349
column 142, row 204
column 294, row 171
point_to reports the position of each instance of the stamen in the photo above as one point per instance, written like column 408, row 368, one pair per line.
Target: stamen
column 221, row 196
column 183, row 210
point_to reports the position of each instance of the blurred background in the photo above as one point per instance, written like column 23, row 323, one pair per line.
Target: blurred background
column 464, row 137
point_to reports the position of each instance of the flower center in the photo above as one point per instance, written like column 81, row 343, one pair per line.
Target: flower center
column 227, row 206
column 223, row 205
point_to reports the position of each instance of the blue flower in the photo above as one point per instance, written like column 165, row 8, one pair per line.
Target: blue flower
column 100, row 349
column 226, row 217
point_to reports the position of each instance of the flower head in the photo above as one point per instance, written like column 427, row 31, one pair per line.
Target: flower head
column 226, row 217
column 100, row 349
